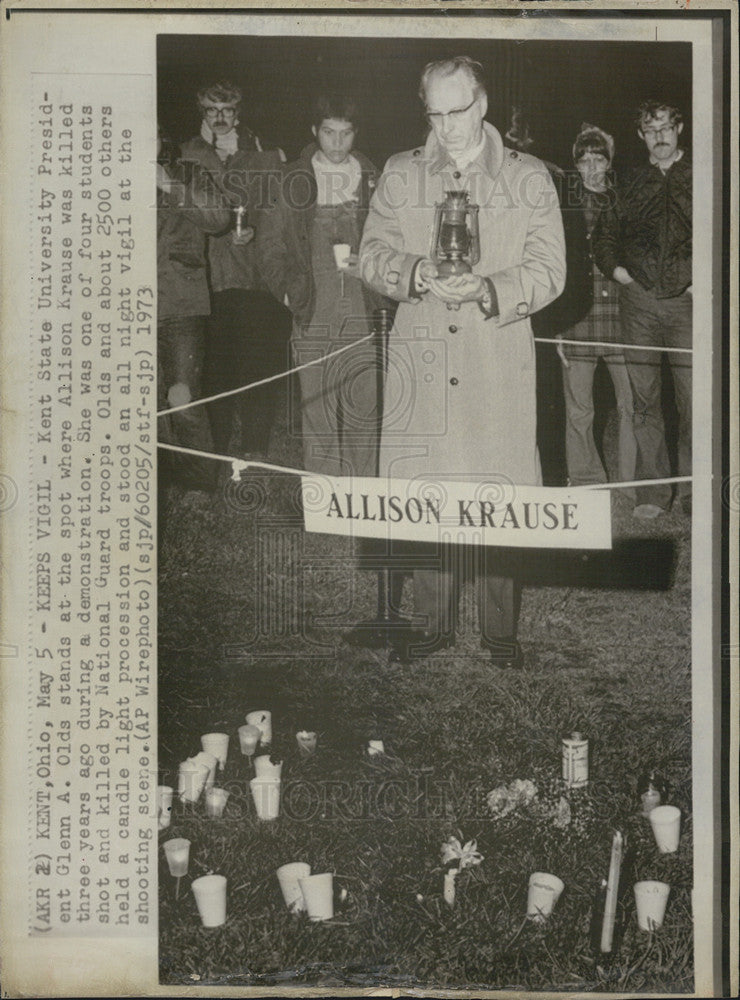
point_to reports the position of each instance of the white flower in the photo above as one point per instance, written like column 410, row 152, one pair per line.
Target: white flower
column 524, row 791
column 465, row 855
column 499, row 801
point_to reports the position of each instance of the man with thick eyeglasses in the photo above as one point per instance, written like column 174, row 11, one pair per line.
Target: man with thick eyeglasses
column 460, row 388
column 644, row 242
column 248, row 328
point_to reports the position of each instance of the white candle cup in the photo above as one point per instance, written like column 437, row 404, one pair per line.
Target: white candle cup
column 191, row 779
column 544, row 892
column 306, row 742
column 266, row 797
column 210, row 898
column 249, row 737
column 177, row 853
column 341, row 255
column 216, row 744
column 651, row 898
column 209, row 761
column 375, row 747
column 666, row 824
column 265, row 767
column 164, row 805
column 318, row 894
column 263, row 721
column 289, row 877
column 216, row 799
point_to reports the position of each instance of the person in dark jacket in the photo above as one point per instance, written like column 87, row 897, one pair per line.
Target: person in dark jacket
column 308, row 248
column 644, row 242
column 186, row 212
column 248, row 329
column 593, row 152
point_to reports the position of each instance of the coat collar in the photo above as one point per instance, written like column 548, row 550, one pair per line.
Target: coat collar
column 490, row 158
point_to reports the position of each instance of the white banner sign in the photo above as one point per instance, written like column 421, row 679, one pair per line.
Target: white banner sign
column 481, row 513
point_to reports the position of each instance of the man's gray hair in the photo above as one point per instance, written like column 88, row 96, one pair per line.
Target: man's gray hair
column 446, row 67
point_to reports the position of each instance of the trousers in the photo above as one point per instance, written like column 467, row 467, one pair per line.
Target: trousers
column 247, row 341
column 582, row 455
column 437, row 592
column 180, row 350
column 651, row 321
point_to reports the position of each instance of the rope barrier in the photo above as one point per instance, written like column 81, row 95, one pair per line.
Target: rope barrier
column 555, row 341
column 238, row 465
column 340, row 350
column 270, row 378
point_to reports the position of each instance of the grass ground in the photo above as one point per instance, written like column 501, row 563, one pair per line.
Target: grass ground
column 252, row 614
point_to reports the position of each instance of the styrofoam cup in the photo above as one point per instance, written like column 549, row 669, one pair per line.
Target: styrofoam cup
column 263, row 721
column 218, row 745
column 318, row 893
column 210, row 761
column 177, row 853
column 191, row 779
column 265, row 767
column 164, row 805
column 341, row 255
column 544, row 892
column 210, row 898
column 249, row 737
column 289, row 878
column 216, row 799
column 266, row 797
column 306, row 742
column 651, row 898
column 666, row 824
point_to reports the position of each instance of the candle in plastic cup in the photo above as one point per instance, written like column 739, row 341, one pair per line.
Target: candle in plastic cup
column 651, row 898
column 289, row 878
column 164, row 805
column 544, row 892
column 263, row 721
column 375, row 747
column 211, row 763
column 266, row 797
column 341, row 255
column 306, row 742
column 210, row 898
column 265, row 767
column 249, row 737
column 318, row 893
column 216, row 799
column 191, row 779
column 218, row 745
column 177, row 853
column 666, row 824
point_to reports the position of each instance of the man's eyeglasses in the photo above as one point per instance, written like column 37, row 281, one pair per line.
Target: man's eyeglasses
column 437, row 117
column 656, row 132
column 223, row 112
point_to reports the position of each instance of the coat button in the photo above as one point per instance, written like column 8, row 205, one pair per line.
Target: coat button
column 453, row 329
column 453, row 381
column 521, row 309
column 457, row 175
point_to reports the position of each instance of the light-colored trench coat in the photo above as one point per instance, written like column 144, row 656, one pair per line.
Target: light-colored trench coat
column 460, row 389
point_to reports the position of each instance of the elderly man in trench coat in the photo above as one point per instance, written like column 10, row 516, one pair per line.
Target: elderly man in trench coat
column 460, row 389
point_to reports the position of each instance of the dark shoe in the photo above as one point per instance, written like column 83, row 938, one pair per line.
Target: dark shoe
column 415, row 644
column 505, row 653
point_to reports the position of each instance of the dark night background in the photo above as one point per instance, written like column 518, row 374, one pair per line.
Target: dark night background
column 560, row 84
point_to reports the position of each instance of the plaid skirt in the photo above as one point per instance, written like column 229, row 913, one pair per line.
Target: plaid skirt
column 601, row 323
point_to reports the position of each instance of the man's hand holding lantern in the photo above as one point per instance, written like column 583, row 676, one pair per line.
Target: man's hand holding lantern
column 459, row 288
